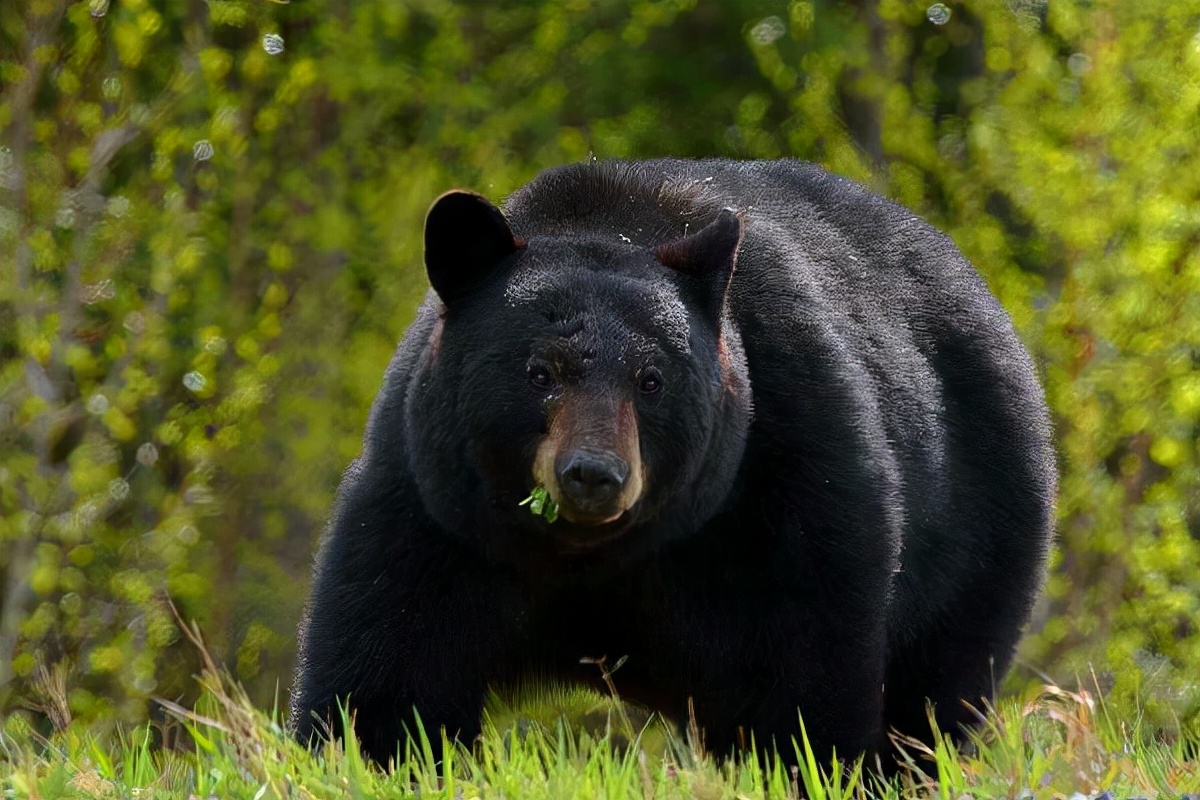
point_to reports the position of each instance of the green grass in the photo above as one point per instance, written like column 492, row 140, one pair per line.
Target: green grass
column 1053, row 745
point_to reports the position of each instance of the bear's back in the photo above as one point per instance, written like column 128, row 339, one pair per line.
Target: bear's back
column 806, row 230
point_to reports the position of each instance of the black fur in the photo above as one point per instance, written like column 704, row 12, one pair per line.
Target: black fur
column 849, row 475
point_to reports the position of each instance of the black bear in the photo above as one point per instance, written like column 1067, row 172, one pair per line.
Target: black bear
column 801, row 464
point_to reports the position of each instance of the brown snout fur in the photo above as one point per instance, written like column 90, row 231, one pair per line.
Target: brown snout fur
column 577, row 420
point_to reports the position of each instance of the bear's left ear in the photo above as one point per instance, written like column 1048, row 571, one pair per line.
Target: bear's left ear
column 708, row 256
column 466, row 237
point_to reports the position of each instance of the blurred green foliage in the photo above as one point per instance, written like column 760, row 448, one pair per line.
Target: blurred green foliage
column 210, row 218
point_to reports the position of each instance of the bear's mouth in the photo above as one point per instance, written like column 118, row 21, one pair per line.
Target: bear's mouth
column 576, row 536
column 580, row 519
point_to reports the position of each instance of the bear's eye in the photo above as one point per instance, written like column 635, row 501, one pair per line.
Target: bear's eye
column 650, row 381
column 540, row 377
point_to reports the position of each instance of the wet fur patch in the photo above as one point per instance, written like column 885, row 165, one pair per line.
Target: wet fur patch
column 728, row 376
column 435, row 338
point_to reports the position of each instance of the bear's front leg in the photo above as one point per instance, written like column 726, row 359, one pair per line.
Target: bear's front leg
column 760, row 680
column 415, row 630
column 760, row 629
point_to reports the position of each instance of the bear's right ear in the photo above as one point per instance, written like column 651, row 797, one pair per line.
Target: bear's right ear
column 708, row 257
column 466, row 237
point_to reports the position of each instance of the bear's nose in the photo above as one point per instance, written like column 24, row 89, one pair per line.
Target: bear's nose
column 591, row 481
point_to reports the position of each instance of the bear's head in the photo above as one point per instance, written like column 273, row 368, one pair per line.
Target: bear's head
column 607, row 373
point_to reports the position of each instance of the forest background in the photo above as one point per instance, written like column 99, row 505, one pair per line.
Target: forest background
column 210, row 241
